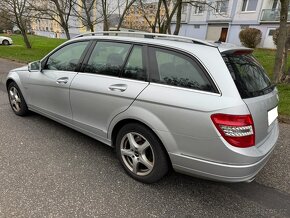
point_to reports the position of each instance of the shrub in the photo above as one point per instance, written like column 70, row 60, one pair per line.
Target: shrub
column 250, row 37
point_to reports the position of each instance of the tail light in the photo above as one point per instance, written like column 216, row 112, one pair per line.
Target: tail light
column 238, row 130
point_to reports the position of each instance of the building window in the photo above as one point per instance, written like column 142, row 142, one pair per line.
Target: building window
column 249, row 5
column 275, row 5
column 196, row 26
column 271, row 32
column 184, row 8
column 198, row 8
column 221, row 7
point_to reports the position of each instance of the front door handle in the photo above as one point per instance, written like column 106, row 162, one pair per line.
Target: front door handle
column 62, row 80
column 118, row 87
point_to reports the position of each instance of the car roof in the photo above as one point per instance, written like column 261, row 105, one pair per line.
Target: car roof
column 172, row 41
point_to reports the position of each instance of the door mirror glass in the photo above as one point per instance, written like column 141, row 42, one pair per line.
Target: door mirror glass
column 34, row 66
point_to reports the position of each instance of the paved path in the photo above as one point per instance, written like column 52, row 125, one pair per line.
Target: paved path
column 49, row 170
column 6, row 66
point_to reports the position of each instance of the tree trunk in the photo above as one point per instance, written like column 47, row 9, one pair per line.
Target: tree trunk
column 21, row 25
column 104, row 10
column 106, row 25
column 167, row 23
column 285, row 61
column 88, row 15
column 157, row 18
column 178, row 18
column 280, row 63
column 25, row 38
column 66, row 32
column 63, row 21
column 124, row 13
column 92, row 28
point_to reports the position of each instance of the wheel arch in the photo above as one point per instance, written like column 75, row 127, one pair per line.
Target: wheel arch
column 123, row 122
column 9, row 80
column 14, row 77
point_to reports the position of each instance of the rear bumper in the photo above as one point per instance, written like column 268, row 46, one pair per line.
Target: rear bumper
column 223, row 171
column 217, row 171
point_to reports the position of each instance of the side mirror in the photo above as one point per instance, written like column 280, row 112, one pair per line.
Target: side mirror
column 34, row 66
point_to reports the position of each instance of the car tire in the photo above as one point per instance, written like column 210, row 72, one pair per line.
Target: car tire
column 16, row 100
column 5, row 42
column 141, row 153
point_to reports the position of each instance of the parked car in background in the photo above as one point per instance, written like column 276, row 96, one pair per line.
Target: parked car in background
column 5, row 40
column 162, row 101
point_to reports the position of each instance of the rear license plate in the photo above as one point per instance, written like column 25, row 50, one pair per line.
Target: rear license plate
column 272, row 115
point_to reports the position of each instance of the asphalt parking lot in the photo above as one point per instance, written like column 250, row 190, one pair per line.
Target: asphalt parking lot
column 49, row 170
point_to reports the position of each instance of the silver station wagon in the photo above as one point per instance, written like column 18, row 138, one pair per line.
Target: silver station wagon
column 204, row 109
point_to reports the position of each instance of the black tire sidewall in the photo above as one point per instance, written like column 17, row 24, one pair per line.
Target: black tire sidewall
column 23, row 107
column 5, row 42
column 161, row 165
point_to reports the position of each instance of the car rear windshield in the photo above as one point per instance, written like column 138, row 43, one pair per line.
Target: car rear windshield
column 249, row 76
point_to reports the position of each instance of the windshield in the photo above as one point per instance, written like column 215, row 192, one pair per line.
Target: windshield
column 249, row 76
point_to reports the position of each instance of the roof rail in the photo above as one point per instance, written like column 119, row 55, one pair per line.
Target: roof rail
column 149, row 35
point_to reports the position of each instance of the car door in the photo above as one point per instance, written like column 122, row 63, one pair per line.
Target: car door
column 98, row 94
column 49, row 88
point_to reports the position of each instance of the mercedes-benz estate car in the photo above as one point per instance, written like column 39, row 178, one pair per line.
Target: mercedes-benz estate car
column 164, row 102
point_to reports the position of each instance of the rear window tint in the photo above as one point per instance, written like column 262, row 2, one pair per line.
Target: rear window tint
column 176, row 69
column 249, row 76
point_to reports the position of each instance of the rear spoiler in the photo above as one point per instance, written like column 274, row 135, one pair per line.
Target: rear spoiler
column 238, row 51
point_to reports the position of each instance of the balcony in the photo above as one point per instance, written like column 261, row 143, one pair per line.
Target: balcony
column 269, row 15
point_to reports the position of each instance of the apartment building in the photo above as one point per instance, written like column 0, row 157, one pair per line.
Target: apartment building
column 225, row 19
column 51, row 28
column 139, row 16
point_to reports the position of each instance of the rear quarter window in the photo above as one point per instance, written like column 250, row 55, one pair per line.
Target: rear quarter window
column 176, row 69
column 249, row 76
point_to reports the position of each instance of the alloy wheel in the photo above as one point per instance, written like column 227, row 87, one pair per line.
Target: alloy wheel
column 15, row 99
column 137, row 154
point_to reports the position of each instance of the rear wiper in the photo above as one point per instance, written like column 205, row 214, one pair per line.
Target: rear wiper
column 272, row 86
column 263, row 91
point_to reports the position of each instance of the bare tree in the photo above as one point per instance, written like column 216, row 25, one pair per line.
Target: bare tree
column 86, row 11
column 167, row 9
column 162, row 21
column 205, row 4
column 104, row 6
column 4, row 23
column 128, row 4
column 178, row 17
column 92, row 12
column 282, row 49
column 107, row 8
column 56, row 10
column 17, row 12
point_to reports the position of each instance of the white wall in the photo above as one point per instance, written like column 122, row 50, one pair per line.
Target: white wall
column 190, row 31
column 246, row 16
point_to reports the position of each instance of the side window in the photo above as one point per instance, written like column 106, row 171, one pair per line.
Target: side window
column 179, row 70
column 134, row 68
column 66, row 58
column 107, row 58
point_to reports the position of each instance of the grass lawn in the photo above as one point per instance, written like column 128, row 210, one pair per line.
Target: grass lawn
column 267, row 58
column 18, row 52
column 42, row 45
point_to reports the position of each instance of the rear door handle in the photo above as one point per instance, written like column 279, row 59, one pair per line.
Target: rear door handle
column 118, row 87
column 62, row 80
